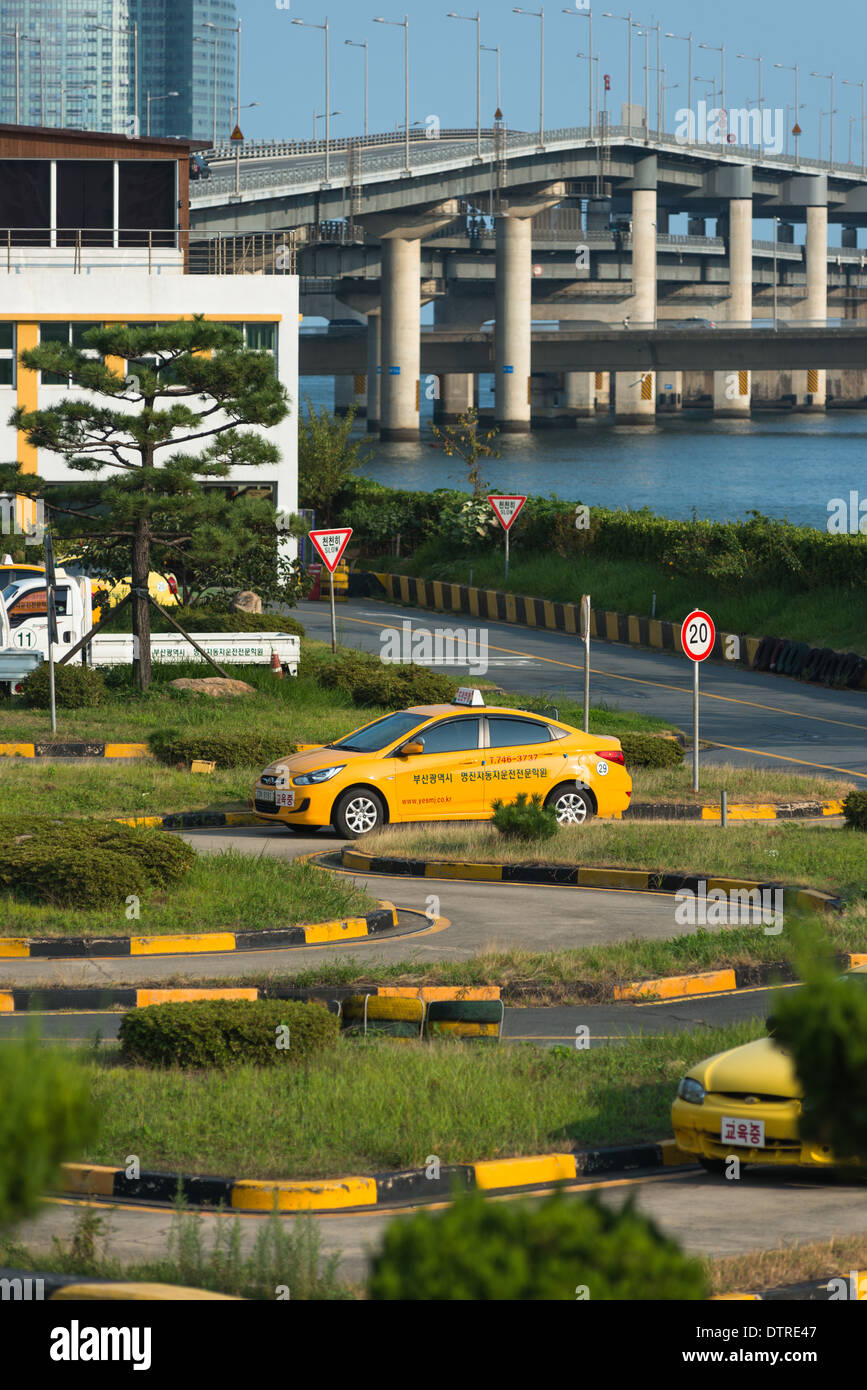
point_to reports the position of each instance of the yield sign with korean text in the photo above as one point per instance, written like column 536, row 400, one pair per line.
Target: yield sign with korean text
column 331, row 545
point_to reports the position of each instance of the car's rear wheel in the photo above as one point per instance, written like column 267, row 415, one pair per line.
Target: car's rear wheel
column 572, row 805
column 358, row 812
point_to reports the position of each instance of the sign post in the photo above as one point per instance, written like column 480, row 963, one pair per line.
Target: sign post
column 697, row 637
column 585, row 634
column 51, row 611
column 330, row 546
column 506, row 510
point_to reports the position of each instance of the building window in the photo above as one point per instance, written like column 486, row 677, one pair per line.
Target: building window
column 7, row 354
column 85, row 202
column 25, row 201
column 68, row 334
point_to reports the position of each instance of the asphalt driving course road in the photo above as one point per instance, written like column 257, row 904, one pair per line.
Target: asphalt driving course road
column 751, row 718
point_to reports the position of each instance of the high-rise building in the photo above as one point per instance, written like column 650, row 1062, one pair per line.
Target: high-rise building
column 101, row 64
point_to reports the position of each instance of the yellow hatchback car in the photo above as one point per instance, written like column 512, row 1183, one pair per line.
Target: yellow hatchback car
column 747, row 1102
column 445, row 763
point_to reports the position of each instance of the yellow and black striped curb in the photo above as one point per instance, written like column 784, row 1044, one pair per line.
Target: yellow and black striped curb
column 52, row 999
column 190, row 820
column 88, row 749
column 723, row 981
column 72, row 947
column 607, row 625
column 33, row 1286
column 682, row 811
column 576, row 876
column 378, row 1190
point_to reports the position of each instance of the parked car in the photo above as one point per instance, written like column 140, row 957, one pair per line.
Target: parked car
column 445, row 763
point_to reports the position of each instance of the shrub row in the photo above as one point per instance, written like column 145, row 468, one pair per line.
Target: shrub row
column 761, row 549
column 211, row 618
column 369, row 681
column 226, row 750
column 227, row 1032
column 75, row 687
column 86, row 863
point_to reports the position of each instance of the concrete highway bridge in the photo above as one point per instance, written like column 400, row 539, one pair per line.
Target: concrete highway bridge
column 573, row 228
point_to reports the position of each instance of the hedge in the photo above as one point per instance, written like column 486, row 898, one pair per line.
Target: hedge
column 209, row 618
column 369, row 681
column 648, row 750
column 761, row 550
column 226, row 1032
column 855, row 810
column 86, row 863
column 226, row 750
column 75, row 687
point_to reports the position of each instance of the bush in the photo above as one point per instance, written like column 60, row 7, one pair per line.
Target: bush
column 226, row 1032
column 369, row 681
column 75, row 686
column 855, row 810
column 212, row 618
column 647, row 750
column 86, row 863
column 226, row 750
column 477, row 1250
column 61, row 877
column 525, row 820
column 47, row 1118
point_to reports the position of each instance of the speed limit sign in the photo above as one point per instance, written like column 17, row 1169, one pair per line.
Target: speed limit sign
column 697, row 637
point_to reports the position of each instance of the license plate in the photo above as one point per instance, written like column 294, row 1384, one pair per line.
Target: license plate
column 749, row 1134
column 265, row 793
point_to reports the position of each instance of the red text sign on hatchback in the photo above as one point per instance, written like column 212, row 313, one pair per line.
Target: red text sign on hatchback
column 507, row 509
column 331, row 545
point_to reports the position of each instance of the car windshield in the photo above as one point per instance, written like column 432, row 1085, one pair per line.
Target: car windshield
column 9, row 592
column 381, row 733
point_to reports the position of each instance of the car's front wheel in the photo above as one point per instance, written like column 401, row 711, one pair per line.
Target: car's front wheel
column 572, row 805
column 358, row 812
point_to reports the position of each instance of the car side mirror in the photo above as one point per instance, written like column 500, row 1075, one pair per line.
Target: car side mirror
column 410, row 750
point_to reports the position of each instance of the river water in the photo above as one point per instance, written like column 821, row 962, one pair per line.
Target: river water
column 786, row 466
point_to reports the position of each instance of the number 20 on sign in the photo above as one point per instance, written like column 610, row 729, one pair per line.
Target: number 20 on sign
column 697, row 638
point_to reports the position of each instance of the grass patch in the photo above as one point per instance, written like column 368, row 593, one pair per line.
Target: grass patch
column 283, row 1252
column 830, row 858
column 224, row 892
column 373, row 1105
column 128, row 789
column 745, row 785
column 827, row 618
column 795, row 1264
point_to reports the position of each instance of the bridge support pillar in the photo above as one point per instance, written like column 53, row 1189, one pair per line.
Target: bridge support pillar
column 810, row 388
column 732, row 391
column 350, row 391
column 669, row 392
column 401, row 344
column 635, row 392
column 374, row 350
column 456, row 397
column 580, row 394
column 513, row 326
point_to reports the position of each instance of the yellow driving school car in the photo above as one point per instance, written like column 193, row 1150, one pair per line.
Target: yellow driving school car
column 746, row 1102
column 445, row 763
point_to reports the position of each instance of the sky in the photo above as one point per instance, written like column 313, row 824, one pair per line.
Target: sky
column 283, row 65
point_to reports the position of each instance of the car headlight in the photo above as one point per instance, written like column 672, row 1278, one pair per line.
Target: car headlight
column 324, row 774
column 691, row 1090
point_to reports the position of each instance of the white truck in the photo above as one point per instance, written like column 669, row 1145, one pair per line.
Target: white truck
column 24, row 635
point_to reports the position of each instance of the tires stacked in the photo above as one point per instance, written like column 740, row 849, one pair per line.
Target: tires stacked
column 822, row 665
column 370, row 1015
column 465, row 1018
